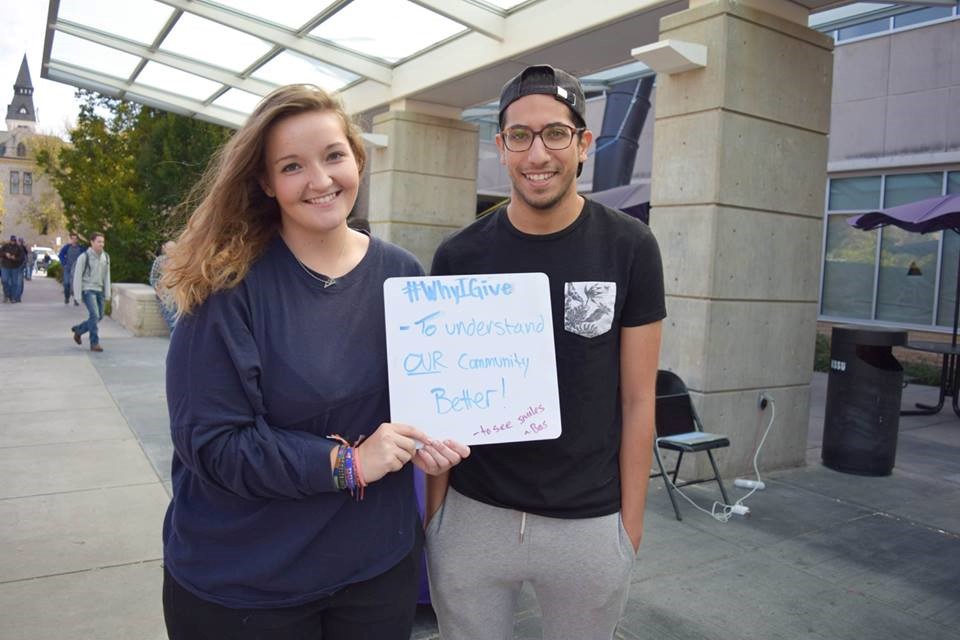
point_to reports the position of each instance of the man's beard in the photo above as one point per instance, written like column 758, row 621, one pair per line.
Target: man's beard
column 544, row 205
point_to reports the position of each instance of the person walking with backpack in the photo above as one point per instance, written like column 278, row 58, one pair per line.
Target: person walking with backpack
column 68, row 257
column 91, row 283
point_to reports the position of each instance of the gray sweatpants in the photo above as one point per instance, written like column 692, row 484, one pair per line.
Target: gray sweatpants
column 478, row 557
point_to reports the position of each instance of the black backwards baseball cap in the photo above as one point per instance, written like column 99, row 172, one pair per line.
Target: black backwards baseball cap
column 544, row 79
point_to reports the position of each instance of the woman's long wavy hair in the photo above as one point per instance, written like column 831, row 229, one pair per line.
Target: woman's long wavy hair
column 235, row 220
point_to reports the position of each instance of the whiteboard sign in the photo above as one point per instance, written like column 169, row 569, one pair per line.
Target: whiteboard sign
column 471, row 358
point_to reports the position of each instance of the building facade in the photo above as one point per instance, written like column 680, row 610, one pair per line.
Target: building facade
column 895, row 138
column 23, row 186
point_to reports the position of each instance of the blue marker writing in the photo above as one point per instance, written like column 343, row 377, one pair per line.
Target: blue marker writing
column 465, row 399
column 456, row 290
column 471, row 362
column 427, row 328
column 421, row 364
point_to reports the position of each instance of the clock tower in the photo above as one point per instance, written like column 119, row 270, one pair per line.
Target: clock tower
column 21, row 112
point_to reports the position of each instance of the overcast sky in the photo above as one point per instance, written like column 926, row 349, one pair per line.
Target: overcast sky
column 23, row 32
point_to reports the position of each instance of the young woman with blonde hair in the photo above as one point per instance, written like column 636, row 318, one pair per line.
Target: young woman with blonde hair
column 281, row 526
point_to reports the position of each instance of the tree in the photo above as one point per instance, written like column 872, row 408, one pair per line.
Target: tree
column 173, row 153
column 94, row 176
column 124, row 172
column 46, row 211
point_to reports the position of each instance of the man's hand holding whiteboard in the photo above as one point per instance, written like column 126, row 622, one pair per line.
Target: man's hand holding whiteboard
column 471, row 358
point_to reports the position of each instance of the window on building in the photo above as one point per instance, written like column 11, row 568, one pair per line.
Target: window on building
column 14, row 182
column 864, row 29
column 852, row 194
column 921, row 15
column 949, row 262
column 3, row 149
column 953, row 182
column 22, row 150
column 910, row 187
column 948, row 278
column 907, row 276
column 27, row 183
column 888, row 274
column 905, row 17
column 848, row 270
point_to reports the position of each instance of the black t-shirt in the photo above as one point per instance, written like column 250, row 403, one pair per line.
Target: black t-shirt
column 605, row 273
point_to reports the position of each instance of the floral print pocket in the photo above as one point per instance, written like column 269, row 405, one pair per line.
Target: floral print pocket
column 588, row 307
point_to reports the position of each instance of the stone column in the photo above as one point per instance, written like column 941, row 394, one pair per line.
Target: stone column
column 423, row 182
column 739, row 171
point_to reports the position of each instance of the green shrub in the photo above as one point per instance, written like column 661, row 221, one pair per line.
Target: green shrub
column 921, row 373
column 55, row 270
column 821, row 357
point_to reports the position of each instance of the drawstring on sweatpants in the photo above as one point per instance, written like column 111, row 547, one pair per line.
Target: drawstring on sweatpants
column 523, row 524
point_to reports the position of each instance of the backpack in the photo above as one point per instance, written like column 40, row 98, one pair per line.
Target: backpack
column 86, row 263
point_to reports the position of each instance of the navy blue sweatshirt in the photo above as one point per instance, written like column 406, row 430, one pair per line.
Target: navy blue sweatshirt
column 257, row 377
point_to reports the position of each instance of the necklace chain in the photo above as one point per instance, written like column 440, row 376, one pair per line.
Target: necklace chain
column 327, row 282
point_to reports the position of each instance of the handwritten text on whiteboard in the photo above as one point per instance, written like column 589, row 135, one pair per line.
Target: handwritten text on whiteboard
column 472, row 357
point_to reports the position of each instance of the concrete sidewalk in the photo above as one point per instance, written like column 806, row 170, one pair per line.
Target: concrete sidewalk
column 84, row 482
column 80, row 503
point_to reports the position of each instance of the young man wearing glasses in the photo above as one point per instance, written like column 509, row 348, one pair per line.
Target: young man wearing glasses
column 565, row 515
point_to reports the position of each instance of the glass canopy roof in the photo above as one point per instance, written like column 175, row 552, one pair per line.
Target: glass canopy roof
column 215, row 59
column 370, row 27
column 229, row 53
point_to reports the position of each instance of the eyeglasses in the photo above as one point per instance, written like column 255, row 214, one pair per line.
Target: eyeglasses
column 555, row 137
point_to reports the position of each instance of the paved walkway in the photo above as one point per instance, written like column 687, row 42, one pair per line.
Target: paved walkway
column 84, row 471
column 80, row 502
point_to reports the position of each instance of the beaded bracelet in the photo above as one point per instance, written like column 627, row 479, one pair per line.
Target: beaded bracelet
column 356, row 463
column 338, row 469
column 346, row 469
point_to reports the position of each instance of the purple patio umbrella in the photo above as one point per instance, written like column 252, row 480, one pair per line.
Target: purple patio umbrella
column 923, row 216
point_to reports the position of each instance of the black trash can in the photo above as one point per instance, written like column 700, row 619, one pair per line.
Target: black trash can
column 862, row 415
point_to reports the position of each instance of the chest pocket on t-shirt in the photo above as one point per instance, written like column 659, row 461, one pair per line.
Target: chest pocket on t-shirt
column 588, row 307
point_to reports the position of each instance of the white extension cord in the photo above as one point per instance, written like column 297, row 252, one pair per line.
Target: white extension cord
column 723, row 512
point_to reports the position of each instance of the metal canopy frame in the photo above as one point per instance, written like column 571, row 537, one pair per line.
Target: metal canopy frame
column 489, row 40
column 469, row 47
